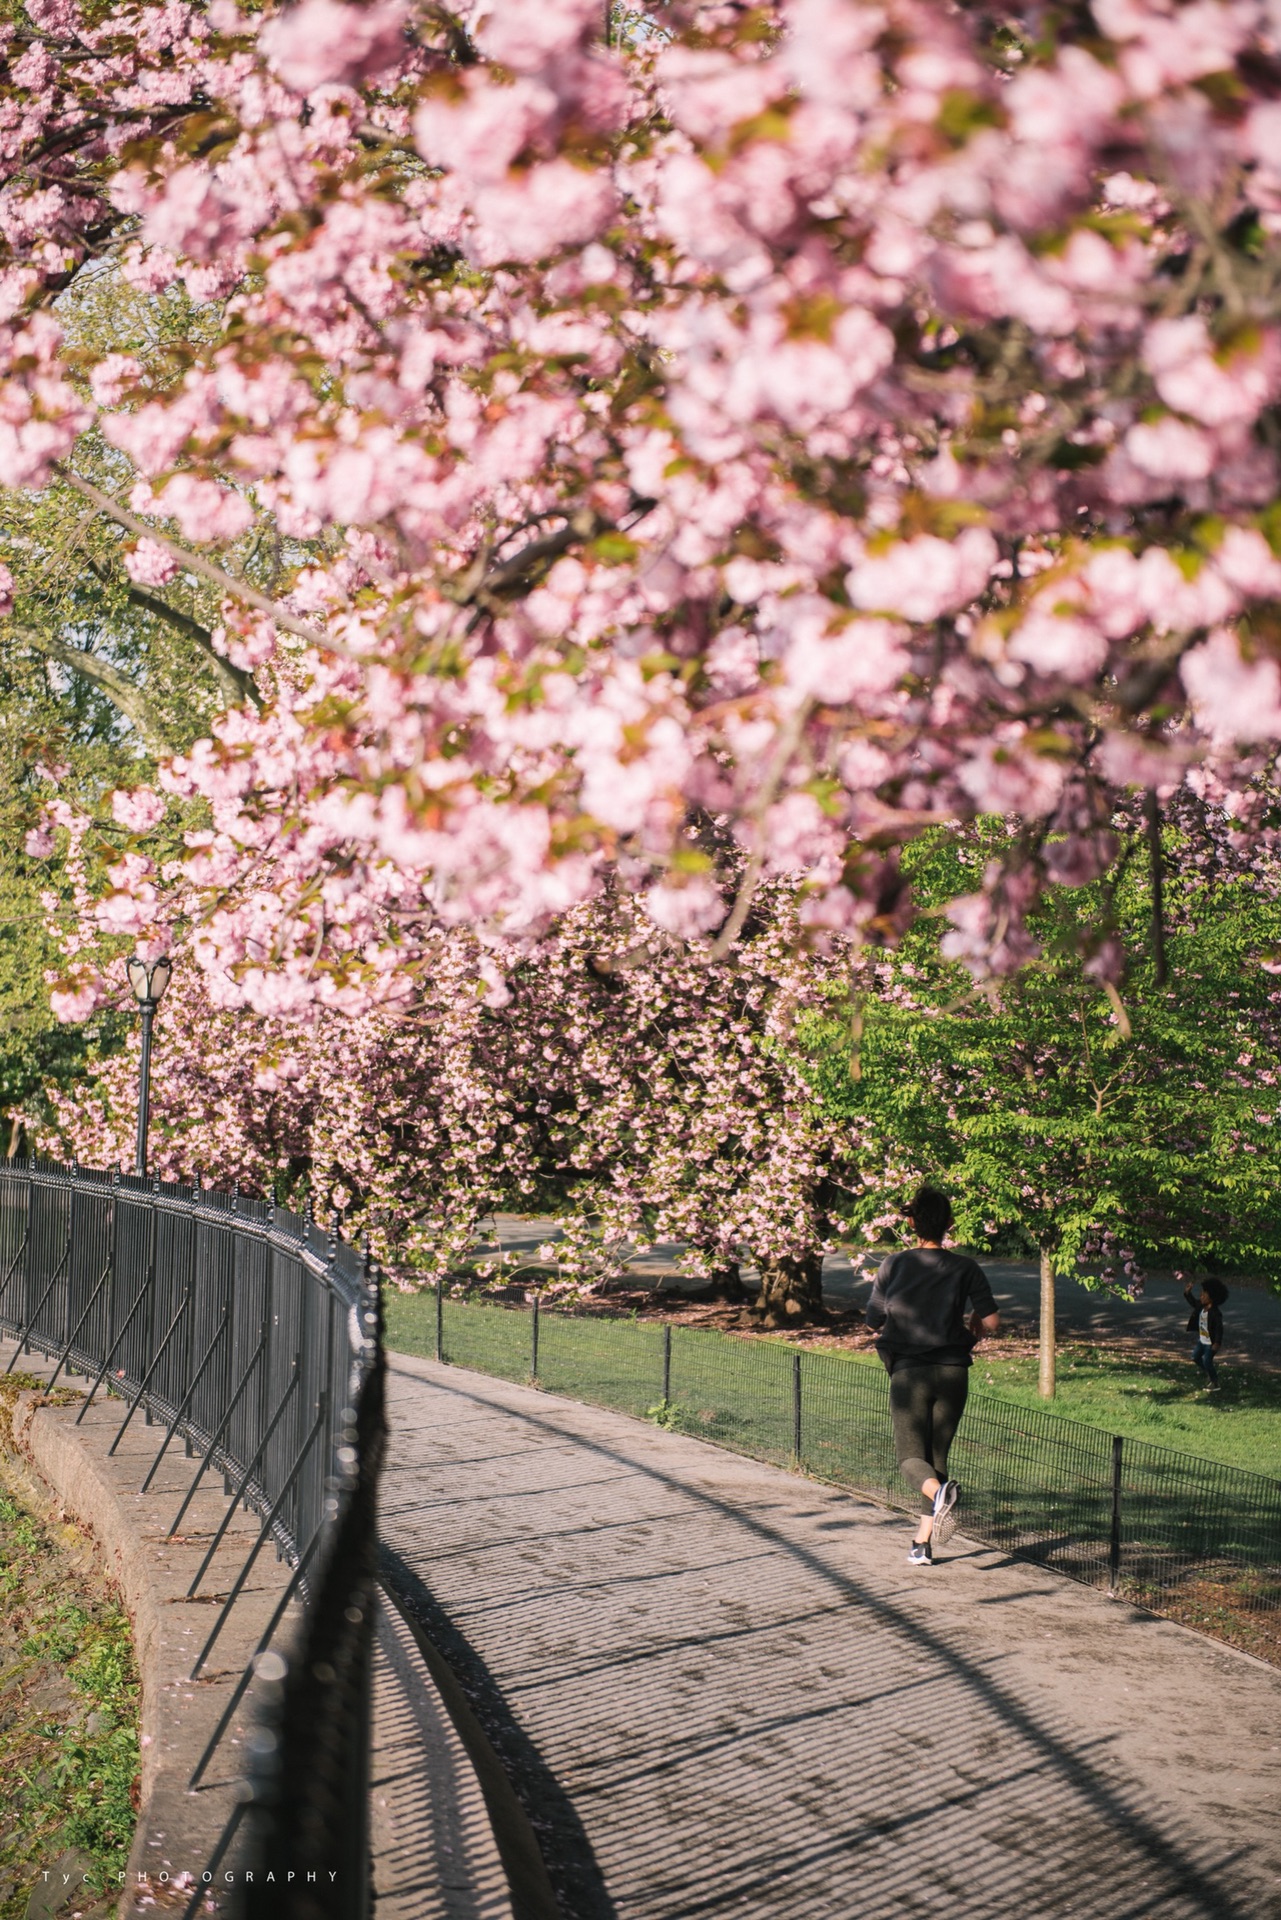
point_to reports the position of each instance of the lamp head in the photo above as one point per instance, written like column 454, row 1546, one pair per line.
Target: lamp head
column 149, row 979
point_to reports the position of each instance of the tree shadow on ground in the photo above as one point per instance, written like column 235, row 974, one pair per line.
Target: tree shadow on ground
column 805, row 1784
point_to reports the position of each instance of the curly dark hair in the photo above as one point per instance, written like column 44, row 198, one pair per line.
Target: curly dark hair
column 930, row 1213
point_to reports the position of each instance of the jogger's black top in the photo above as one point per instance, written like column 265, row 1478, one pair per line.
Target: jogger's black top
column 1214, row 1320
column 919, row 1305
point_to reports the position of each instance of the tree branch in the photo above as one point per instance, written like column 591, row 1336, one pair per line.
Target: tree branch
column 1156, row 868
column 785, row 746
column 206, row 569
column 532, row 562
column 121, row 691
column 237, row 685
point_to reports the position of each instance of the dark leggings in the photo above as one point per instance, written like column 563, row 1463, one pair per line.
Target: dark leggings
column 926, row 1404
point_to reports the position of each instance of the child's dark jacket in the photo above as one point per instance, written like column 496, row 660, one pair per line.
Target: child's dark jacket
column 1215, row 1321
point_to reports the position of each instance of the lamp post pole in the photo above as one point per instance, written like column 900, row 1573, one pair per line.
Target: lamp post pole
column 148, row 1010
column 148, row 981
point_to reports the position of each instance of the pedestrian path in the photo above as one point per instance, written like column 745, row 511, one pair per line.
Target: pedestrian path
column 719, row 1689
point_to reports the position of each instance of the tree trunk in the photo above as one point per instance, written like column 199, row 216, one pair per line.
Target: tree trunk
column 1045, row 1381
column 725, row 1282
column 791, row 1290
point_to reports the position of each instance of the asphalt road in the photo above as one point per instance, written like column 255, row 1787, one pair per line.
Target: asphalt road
column 1252, row 1315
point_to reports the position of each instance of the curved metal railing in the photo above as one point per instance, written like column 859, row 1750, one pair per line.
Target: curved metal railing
column 254, row 1337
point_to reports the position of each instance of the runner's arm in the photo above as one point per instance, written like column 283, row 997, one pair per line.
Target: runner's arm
column 985, row 1318
column 876, row 1312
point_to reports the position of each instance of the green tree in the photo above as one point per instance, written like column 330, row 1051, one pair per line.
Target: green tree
column 73, row 726
column 101, row 675
column 1102, row 1126
column 145, row 649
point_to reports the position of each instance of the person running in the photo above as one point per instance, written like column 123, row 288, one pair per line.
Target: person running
column 1206, row 1322
column 918, row 1306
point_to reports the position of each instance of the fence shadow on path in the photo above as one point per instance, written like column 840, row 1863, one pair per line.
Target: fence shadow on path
column 560, row 1832
column 708, row 1711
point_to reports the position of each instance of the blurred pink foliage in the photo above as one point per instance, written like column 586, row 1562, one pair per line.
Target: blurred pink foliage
column 824, row 419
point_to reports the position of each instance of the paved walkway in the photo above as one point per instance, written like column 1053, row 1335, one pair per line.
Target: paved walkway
column 1157, row 1319
column 434, row 1856
column 720, row 1689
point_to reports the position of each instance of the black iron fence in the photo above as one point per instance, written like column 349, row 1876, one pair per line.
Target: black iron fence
column 1176, row 1533
column 253, row 1337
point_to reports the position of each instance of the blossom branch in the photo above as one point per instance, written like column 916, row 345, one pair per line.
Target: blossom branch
column 207, row 569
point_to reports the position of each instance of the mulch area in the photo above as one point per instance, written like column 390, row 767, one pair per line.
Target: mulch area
column 840, row 1330
column 1224, row 1610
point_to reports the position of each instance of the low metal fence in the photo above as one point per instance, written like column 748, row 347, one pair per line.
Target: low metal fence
column 1176, row 1533
column 253, row 1337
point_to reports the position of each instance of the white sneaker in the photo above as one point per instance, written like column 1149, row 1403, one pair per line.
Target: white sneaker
column 945, row 1512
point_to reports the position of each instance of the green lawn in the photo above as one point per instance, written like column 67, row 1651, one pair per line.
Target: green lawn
column 69, row 1705
column 617, row 1363
column 1159, row 1400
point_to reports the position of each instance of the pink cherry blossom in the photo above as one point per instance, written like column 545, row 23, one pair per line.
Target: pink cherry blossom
column 751, row 443
column 1234, row 698
column 112, row 376
column 205, row 511
column 1005, row 777
column 1170, row 451
column 527, row 39
column 74, row 1004
column 1055, row 643
column 839, row 663
column 150, row 564
column 319, row 42
column 1191, row 378
column 551, row 206
column 138, row 809
column 925, row 577
column 479, row 135
column 687, row 909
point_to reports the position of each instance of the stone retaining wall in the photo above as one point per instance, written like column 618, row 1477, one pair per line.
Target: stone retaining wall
column 435, row 1857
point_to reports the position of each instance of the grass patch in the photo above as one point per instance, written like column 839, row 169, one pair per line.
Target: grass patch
column 616, row 1362
column 1154, row 1397
column 1157, row 1398
column 69, row 1700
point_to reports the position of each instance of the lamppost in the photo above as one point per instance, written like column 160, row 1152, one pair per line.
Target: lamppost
column 148, row 980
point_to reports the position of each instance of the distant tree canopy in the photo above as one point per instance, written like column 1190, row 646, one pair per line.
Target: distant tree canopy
column 1105, row 1128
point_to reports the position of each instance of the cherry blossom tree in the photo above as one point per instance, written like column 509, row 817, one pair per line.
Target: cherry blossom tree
column 677, row 1104
column 612, row 1075
column 832, row 417
column 399, row 1125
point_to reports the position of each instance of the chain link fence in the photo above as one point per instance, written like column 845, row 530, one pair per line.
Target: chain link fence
column 254, row 1338
column 1180, row 1535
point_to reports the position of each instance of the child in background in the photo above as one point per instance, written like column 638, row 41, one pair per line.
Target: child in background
column 1206, row 1321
